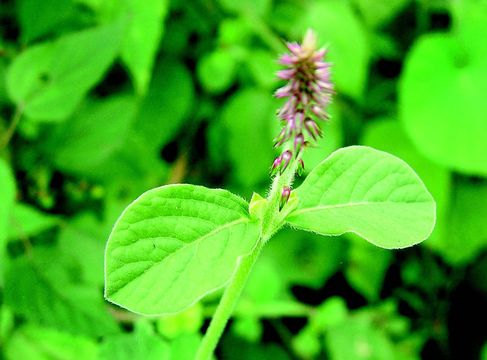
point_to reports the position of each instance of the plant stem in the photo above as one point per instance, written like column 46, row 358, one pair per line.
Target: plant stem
column 11, row 129
column 227, row 303
column 272, row 221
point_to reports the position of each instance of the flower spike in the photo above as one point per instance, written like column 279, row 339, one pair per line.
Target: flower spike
column 308, row 92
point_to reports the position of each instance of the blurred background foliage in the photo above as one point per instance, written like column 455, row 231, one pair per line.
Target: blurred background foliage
column 101, row 100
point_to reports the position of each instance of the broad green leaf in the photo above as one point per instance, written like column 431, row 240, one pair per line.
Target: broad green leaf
column 49, row 80
column 441, row 100
column 92, row 135
column 41, row 17
column 26, row 221
column 192, row 235
column 336, row 23
column 7, row 197
column 166, row 105
column 41, row 293
column 141, row 344
column 39, row 343
column 368, row 192
column 388, row 135
column 140, row 44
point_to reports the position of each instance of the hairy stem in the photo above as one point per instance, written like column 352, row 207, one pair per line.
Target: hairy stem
column 227, row 303
column 272, row 221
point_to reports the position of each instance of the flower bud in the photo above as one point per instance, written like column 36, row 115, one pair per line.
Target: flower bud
column 286, row 192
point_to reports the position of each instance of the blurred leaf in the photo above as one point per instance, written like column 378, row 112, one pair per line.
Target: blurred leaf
column 82, row 241
column 243, row 7
column 246, row 117
column 366, row 268
column 336, row 23
column 263, row 67
column 307, row 344
column 47, row 298
column 167, row 104
column 398, row 213
column 92, row 135
column 466, row 234
column 41, row 17
column 142, row 344
column 387, row 135
column 380, row 12
column 305, row 258
column 48, row 81
column 38, row 343
column 248, row 328
column 140, row 44
column 235, row 348
column 185, row 347
column 441, row 102
column 264, row 283
column 26, row 221
column 233, row 31
column 324, row 146
column 217, row 69
column 356, row 339
column 183, row 231
column 186, row 322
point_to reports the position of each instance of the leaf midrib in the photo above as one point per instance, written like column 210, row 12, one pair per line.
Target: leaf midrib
column 362, row 203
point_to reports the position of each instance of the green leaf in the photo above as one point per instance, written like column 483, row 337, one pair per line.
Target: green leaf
column 38, row 343
column 368, row 192
column 26, row 221
column 441, row 100
column 388, row 135
column 92, row 135
column 140, row 44
column 191, row 234
column 167, row 104
column 41, row 293
column 49, row 80
column 142, row 344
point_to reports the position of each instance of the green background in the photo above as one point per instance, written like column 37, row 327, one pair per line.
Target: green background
column 101, row 100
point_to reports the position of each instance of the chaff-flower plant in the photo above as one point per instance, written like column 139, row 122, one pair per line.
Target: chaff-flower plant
column 177, row 243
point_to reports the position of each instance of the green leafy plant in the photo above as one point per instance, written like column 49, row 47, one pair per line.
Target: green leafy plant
column 177, row 243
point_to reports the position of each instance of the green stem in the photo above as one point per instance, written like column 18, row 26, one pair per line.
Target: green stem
column 272, row 221
column 11, row 129
column 227, row 303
